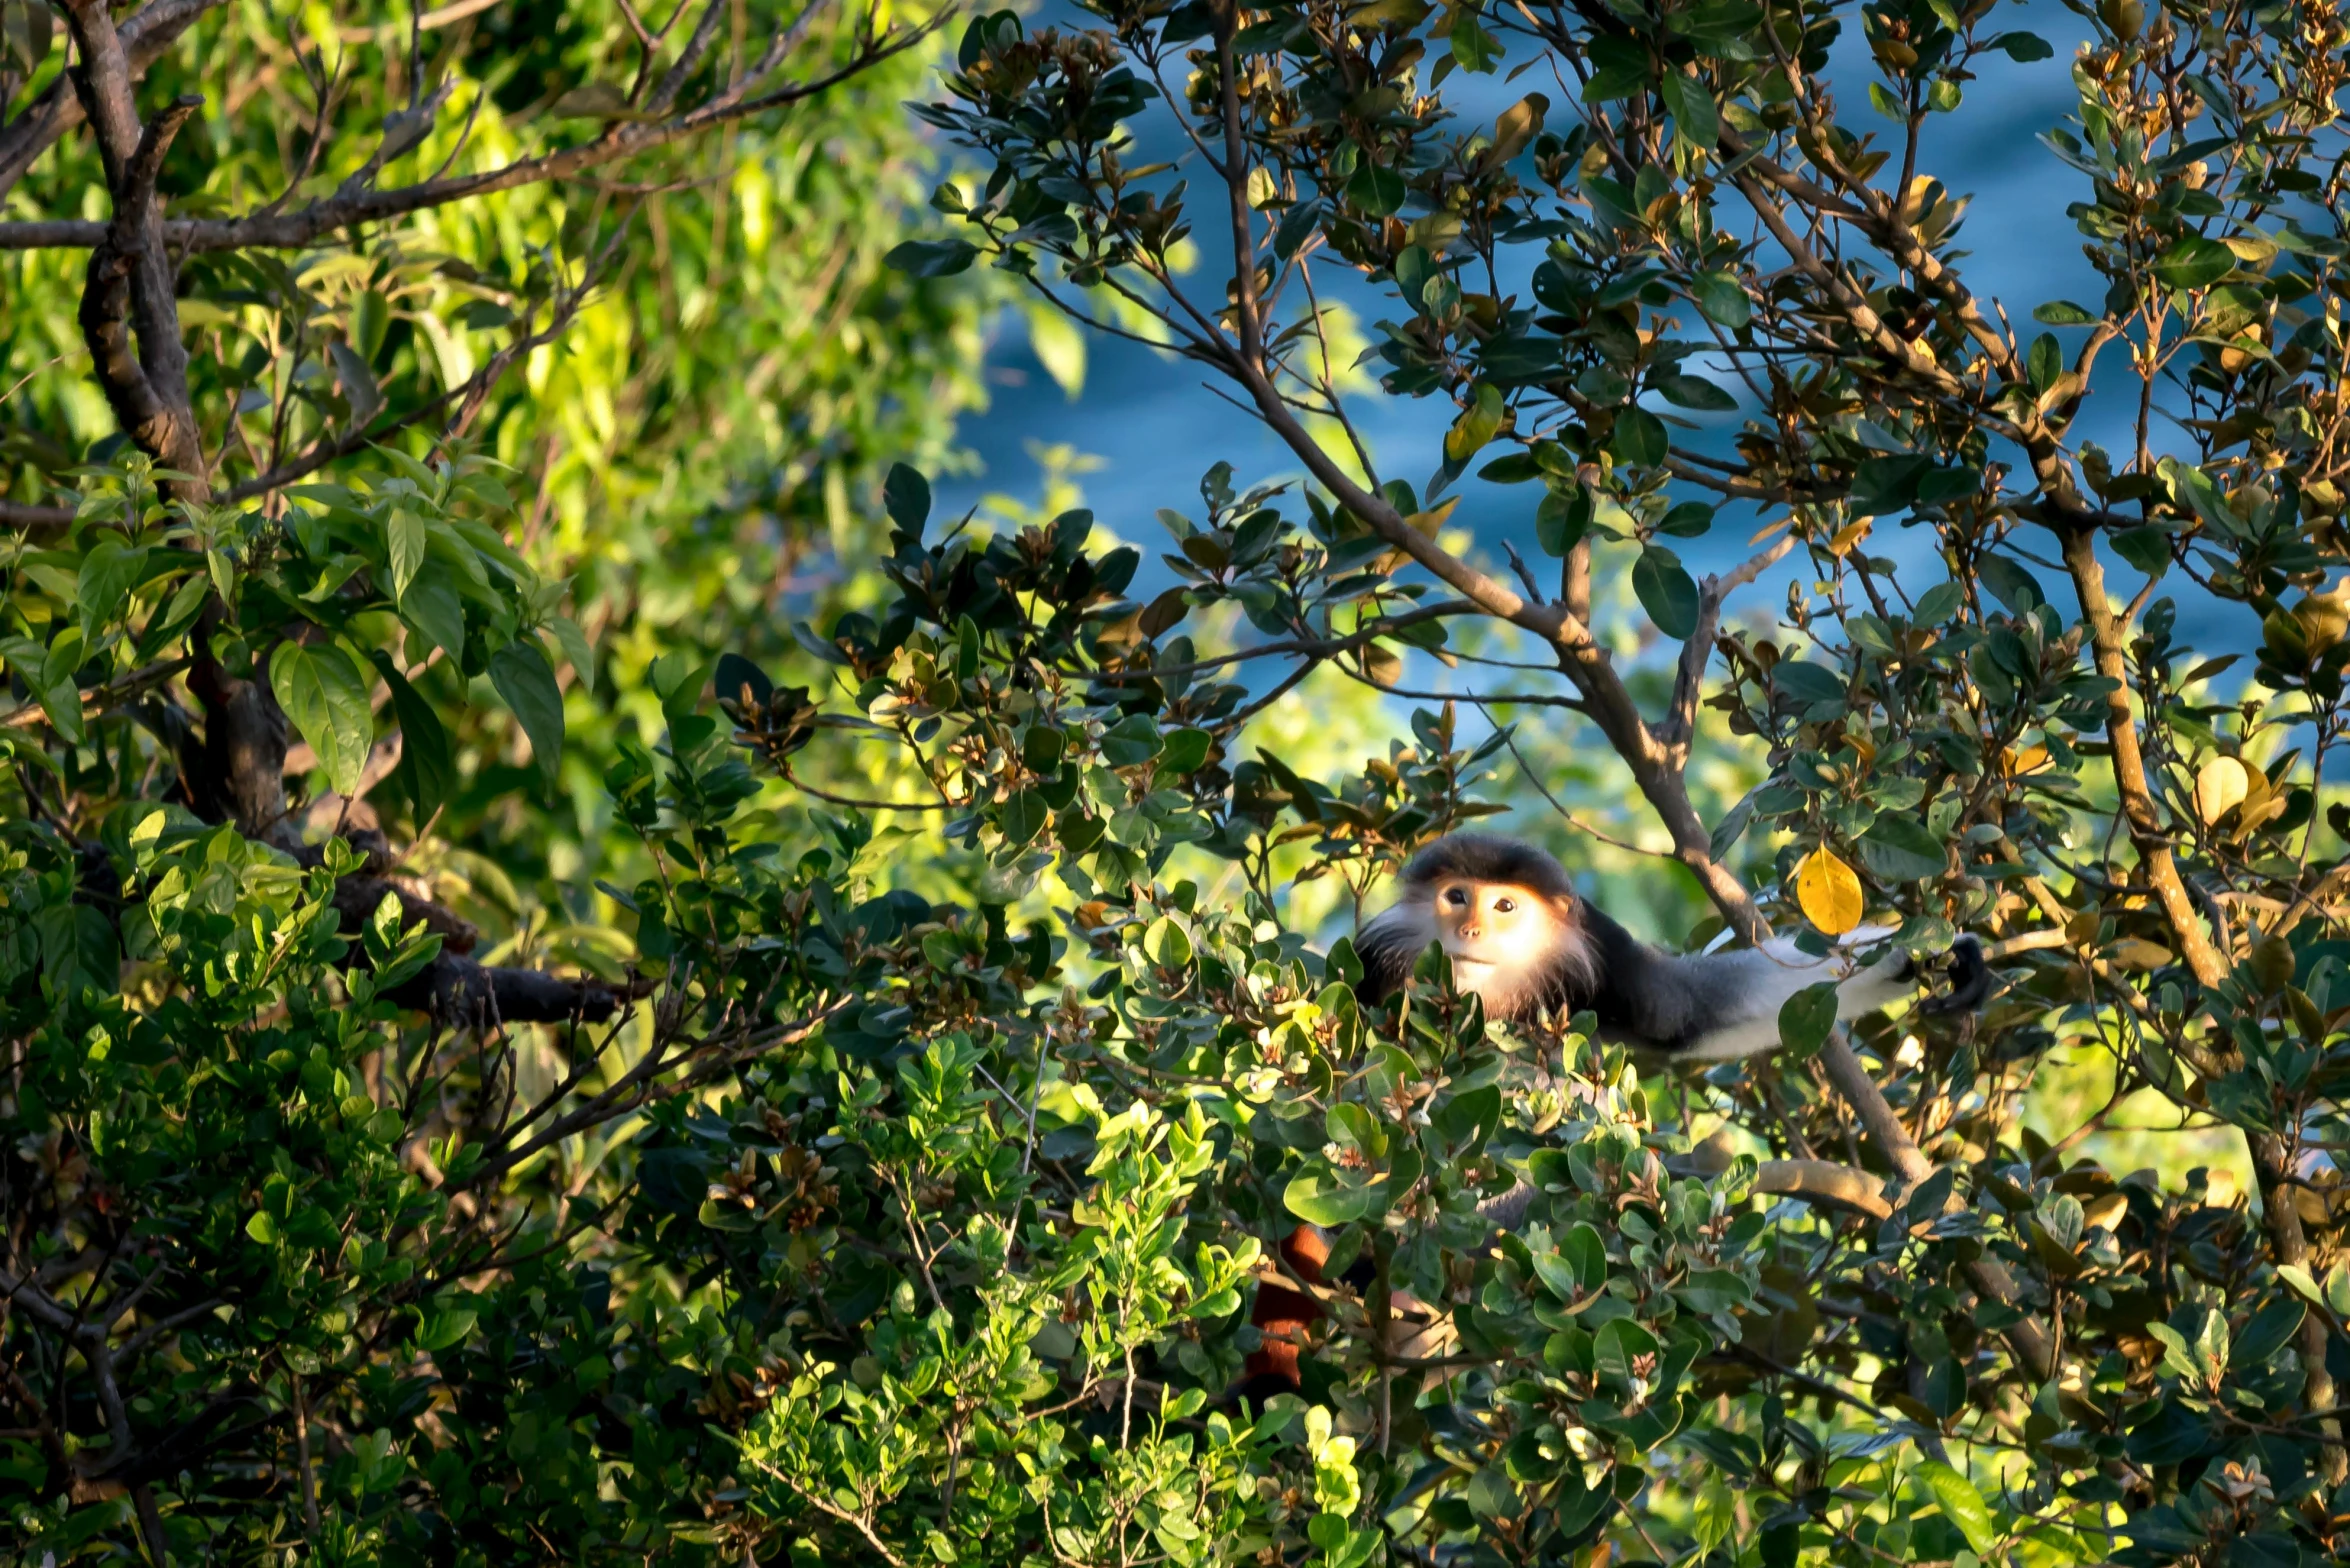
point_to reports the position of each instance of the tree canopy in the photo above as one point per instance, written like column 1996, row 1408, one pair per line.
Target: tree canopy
column 895, row 1188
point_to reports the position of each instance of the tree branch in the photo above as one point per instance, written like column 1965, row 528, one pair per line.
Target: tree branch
column 144, row 39
column 294, row 230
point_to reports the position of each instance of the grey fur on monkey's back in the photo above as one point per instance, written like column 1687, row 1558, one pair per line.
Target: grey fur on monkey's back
column 1701, row 1006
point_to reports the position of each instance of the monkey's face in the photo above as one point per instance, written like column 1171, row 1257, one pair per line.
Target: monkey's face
column 1493, row 930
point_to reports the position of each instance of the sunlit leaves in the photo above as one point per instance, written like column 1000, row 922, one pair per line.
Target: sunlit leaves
column 1962, row 1505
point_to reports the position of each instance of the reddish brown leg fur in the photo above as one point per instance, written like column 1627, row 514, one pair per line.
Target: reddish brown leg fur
column 1282, row 1315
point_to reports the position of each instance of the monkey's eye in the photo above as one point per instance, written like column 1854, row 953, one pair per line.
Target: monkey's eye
column 1457, row 897
column 1502, row 906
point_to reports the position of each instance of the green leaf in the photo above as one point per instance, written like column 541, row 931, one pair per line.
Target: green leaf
column 2024, row 48
column 325, row 696
column 1618, row 1344
column 1376, row 189
column 1319, row 1198
column 526, row 681
column 906, row 496
column 108, row 569
column 1696, row 122
column 404, row 540
column 360, row 392
column 2147, row 549
column 1475, row 49
column 2061, row 313
column 2193, row 262
column 1806, row 1017
column 2010, row 583
column 1721, row 299
column 431, row 606
column 1694, row 392
column 1666, row 592
column 576, row 650
column 1556, row 1273
column 931, row 258
column 1899, row 848
column 1962, row 1505
column 1640, row 437
column 1186, row 749
column 444, row 1327
column 2267, row 1332
column 1167, row 943
column 1477, row 425
column 428, row 769
column 1716, row 1515
column 1586, row 1253
column 1713, row 1290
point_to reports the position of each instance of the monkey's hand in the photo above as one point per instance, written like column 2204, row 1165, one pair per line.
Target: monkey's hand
column 1970, row 980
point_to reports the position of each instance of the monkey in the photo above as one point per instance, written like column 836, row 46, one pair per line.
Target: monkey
column 1524, row 941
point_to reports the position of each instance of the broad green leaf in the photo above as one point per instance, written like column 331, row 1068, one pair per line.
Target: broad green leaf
column 1376, row 189
column 2193, row 262
column 433, row 608
column 1899, row 848
column 1167, row 943
column 325, row 696
column 1722, row 299
column 1806, row 1017
column 428, row 768
column 526, row 681
column 1640, row 437
column 2061, row 313
column 404, row 544
column 1694, row 393
column 1696, row 122
column 1962, row 1505
column 1477, row 424
column 1320, row 1199
column 1666, row 592
column 932, row 258
column 576, row 650
column 905, row 494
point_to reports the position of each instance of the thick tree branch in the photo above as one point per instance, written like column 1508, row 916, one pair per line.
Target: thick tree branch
column 132, row 281
column 2129, row 762
column 58, row 110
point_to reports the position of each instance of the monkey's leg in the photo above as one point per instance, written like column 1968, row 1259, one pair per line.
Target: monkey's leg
column 1283, row 1316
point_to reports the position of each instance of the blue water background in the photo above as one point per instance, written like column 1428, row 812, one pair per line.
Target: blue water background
column 1157, row 425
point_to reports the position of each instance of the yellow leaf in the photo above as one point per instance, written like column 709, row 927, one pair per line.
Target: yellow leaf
column 2028, row 760
column 1848, row 536
column 1829, row 892
column 2221, row 784
column 1432, row 519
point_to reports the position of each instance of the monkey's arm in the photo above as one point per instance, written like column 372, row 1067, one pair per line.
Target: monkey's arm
column 1717, row 1006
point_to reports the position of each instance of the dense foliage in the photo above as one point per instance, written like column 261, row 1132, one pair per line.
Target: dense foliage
column 901, row 1198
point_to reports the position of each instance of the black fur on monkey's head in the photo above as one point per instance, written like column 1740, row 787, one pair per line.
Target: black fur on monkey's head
column 1482, row 857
